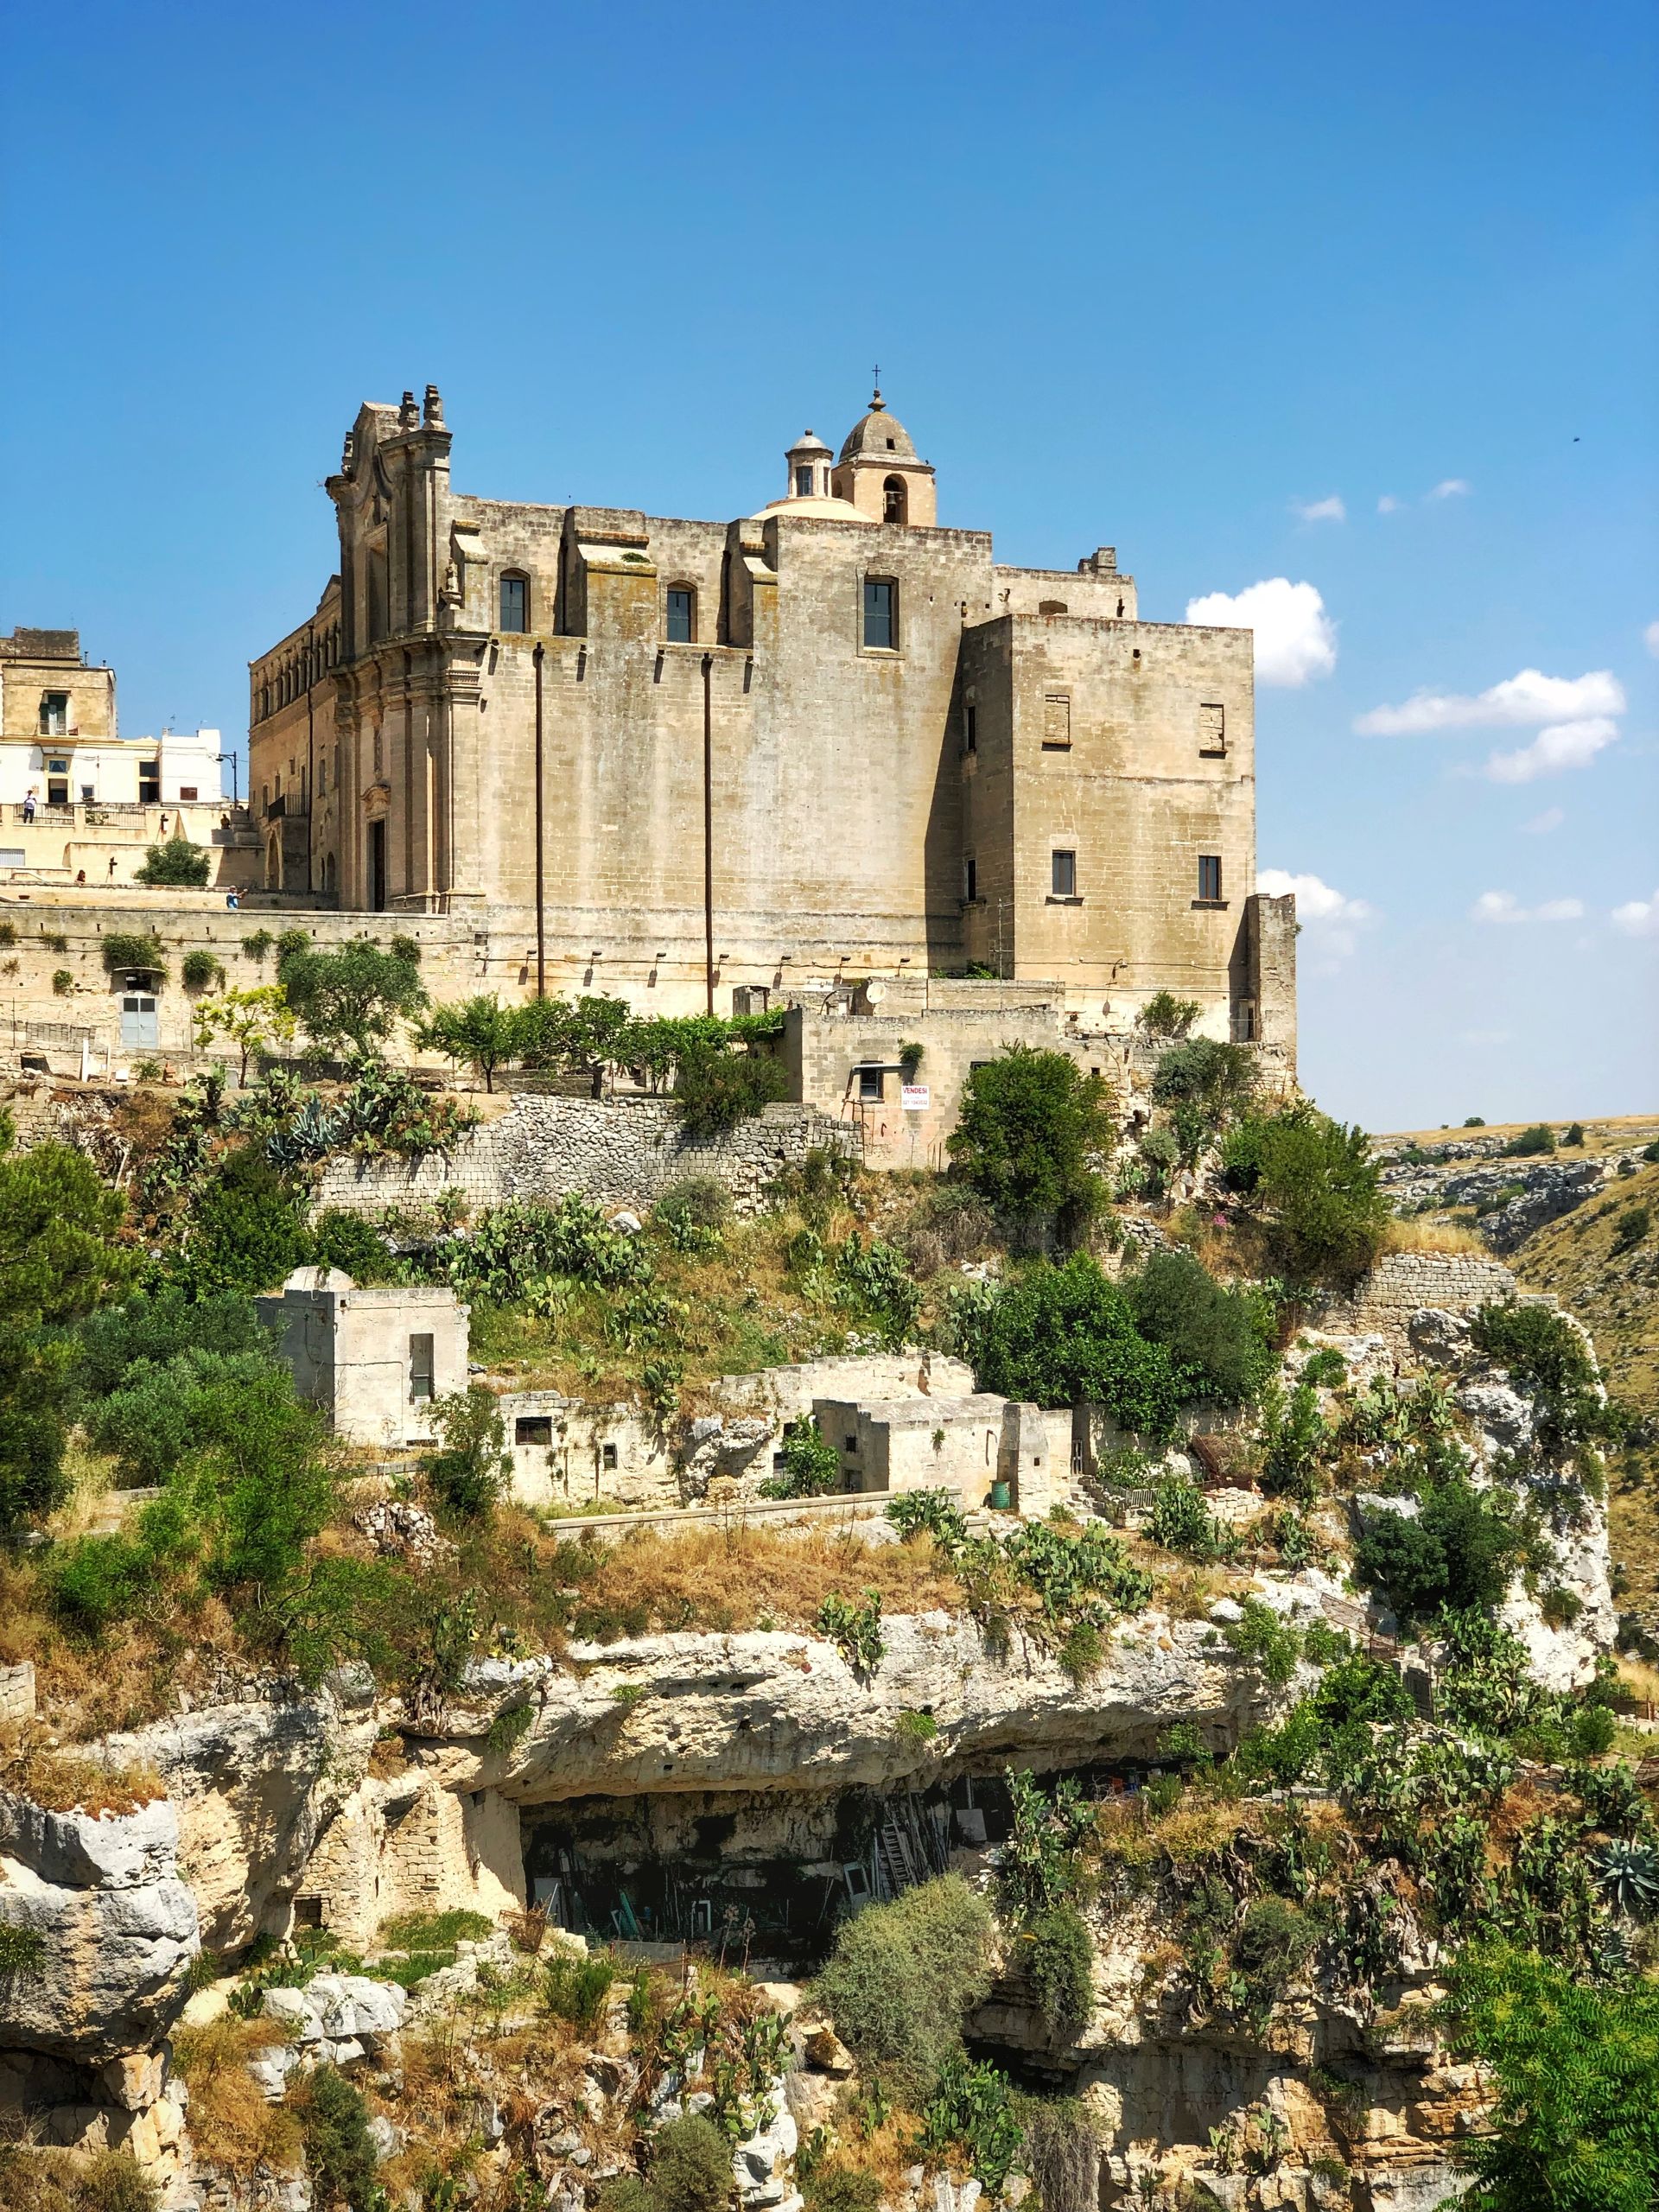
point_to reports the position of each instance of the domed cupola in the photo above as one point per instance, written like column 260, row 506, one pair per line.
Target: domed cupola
column 878, row 472
column 809, row 496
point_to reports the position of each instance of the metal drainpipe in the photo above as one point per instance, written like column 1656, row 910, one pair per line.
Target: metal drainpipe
column 709, row 831
column 541, row 911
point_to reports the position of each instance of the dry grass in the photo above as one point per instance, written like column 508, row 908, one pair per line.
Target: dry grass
column 1614, row 1133
column 1421, row 1234
column 231, row 2123
column 64, row 1782
column 735, row 1578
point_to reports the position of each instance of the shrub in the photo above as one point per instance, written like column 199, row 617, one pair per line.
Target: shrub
column 256, row 945
column 1059, row 1962
column 1203, row 1085
column 1325, row 1370
column 1631, row 1227
column 1060, row 1335
column 199, row 969
column 840, row 2189
column 344, row 1240
column 716, row 1088
column 1539, row 1138
column 1475, row 1122
column 157, row 1326
column 164, row 1411
column 1165, row 1015
column 1062, row 2155
column 1457, row 1552
column 690, row 2167
column 514, row 1246
column 480, row 1031
column 339, row 2151
column 1561, row 1607
column 63, row 982
column 1291, row 1437
column 855, row 1631
column 1217, row 1339
column 1031, row 1124
column 1041, row 1861
column 1180, row 1521
column 812, row 1464
column 36, row 2180
column 178, row 864
column 935, row 1513
column 469, row 1470
column 246, row 1230
column 1271, row 1946
column 903, row 1978
column 1575, row 1133
column 574, row 1988
column 693, row 1212
column 23, row 1950
column 1318, row 1187
column 1265, row 1642
column 126, row 949
column 1548, row 1360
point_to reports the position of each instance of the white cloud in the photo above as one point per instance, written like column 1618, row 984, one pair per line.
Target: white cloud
column 1563, row 746
column 1452, row 487
column 1296, row 639
column 1330, row 917
column 1650, row 638
column 1504, row 906
column 1331, row 510
column 1518, row 702
column 1387, row 504
column 1541, row 824
column 1638, row 917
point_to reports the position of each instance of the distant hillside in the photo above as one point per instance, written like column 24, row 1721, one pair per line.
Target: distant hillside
column 1599, row 1255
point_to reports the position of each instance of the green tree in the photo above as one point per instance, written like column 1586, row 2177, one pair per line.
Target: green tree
column 1576, row 2125
column 246, row 1232
column 1203, row 1085
column 717, row 1088
column 1031, row 1123
column 903, row 1978
column 59, row 1259
column 1061, row 1335
column 470, row 1468
column 480, row 1031
column 254, row 1022
column 1217, row 1339
column 1317, row 1188
column 339, row 2150
column 586, row 1038
column 178, row 864
column 1456, row 1552
column 350, row 998
column 157, row 1326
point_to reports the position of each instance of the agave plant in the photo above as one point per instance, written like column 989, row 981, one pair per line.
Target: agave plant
column 1628, row 1876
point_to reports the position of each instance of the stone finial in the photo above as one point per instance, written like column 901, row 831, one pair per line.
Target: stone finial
column 434, row 409
column 409, row 416
column 348, row 454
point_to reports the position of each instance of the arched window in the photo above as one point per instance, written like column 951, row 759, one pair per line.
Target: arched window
column 515, row 603
column 1050, row 607
column 894, row 501
column 681, row 619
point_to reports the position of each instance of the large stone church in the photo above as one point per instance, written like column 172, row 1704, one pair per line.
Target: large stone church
column 831, row 738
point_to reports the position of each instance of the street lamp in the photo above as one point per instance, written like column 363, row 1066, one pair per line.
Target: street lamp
column 222, row 758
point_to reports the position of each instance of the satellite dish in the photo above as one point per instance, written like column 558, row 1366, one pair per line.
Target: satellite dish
column 875, row 992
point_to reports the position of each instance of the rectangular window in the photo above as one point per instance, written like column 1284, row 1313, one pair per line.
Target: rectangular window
column 187, row 791
column 1056, row 721
column 608, row 1457
column 420, row 1366
column 1213, row 730
column 1062, row 875
column 88, row 793
column 150, row 783
column 533, row 1429
column 871, row 1084
column 880, row 630
column 515, row 604
column 969, row 728
column 803, row 481
column 682, row 625
column 57, row 791
column 55, row 714
column 1210, row 878
column 971, row 879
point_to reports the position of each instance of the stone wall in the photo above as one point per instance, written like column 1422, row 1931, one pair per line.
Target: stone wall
column 619, row 1153
column 1401, row 1283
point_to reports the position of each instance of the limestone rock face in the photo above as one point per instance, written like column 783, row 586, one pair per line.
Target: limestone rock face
column 118, row 1929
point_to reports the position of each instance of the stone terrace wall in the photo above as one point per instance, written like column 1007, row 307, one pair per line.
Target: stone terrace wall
column 619, row 1153
column 1455, row 1282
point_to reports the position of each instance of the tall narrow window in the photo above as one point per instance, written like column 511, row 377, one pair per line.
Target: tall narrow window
column 895, row 504
column 880, row 609
column 1062, row 875
column 971, row 879
column 150, row 783
column 803, row 481
column 1213, row 730
column 515, row 604
column 57, row 782
column 970, row 728
column 871, row 1085
column 1210, row 878
column 682, row 618
column 55, row 714
column 420, row 1365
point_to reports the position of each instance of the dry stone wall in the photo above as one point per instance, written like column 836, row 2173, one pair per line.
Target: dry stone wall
column 1404, row 1283
column 617, row 1154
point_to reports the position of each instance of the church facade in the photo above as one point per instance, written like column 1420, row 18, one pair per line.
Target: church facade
column 826, row 740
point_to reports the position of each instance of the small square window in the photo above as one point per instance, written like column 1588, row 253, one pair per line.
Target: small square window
column 1062, row 875
column 608, row 1457
column 88, row 793
column 187, row 791
column 515, row 604
column 851, row 1445
column 880, row 629
column 871, row 1085
column 1210, row 877
column 682, row 618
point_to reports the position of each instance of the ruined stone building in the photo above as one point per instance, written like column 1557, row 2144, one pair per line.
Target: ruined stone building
column 830, row 739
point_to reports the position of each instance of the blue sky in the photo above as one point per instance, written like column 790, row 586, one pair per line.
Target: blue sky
column 1161, row 278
